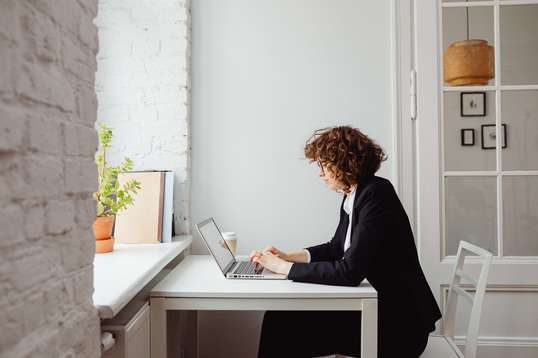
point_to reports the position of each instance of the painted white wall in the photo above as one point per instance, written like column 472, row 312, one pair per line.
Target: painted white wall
column 265, row 75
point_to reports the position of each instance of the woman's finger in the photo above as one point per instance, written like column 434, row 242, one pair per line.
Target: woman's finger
column 257, row 260
column 253, row 254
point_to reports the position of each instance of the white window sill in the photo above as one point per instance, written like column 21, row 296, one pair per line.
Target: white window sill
column 121, row 274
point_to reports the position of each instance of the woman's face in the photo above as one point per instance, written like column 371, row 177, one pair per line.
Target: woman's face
column 328, row 177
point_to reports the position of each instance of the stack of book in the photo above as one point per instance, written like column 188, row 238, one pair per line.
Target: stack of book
column 150, row 218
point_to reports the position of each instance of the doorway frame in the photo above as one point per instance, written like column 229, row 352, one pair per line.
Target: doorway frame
column 403, row 107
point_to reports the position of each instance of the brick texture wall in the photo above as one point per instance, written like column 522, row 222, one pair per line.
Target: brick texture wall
column 47, row 175
column 143, row 88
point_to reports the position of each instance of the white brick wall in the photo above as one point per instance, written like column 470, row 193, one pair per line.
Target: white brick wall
column 143, row 88
column 47, row 175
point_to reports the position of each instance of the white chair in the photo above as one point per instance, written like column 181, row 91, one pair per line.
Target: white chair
column 444, row 345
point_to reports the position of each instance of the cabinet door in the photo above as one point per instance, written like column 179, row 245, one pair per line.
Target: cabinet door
column 137, row 335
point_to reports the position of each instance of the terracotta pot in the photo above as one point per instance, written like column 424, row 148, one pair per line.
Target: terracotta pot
column 102, row 231
column 469, row 62
column 102, row 227
column 103, row 246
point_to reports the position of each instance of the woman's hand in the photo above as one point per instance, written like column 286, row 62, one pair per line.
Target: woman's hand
column 294, row 256
column 271, row 262
column 277, row 252
column 271, row 249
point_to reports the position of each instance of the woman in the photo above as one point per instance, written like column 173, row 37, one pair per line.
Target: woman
column 373, row 241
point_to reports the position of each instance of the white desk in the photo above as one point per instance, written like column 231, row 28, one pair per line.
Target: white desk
column 198, row 284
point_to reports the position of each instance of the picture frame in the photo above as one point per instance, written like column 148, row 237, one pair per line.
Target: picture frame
column 467, row 137
column 488, row 134
column 473, row 104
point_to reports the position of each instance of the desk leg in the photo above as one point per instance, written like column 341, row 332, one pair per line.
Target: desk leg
column 158, row 328
column 369, row 329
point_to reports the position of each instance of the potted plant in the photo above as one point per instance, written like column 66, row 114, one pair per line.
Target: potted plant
column 110, row 196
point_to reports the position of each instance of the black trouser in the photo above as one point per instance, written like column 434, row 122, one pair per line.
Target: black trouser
column 320, row 333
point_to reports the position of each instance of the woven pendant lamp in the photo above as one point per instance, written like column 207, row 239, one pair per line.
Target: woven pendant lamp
column 468, row 62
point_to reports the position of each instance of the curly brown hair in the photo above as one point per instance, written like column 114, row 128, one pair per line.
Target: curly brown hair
column 347, row 152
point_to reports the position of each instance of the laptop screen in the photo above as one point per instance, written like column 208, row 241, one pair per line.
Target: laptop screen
column 216, row 244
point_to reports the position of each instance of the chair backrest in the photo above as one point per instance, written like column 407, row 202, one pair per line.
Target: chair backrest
column 455, row 290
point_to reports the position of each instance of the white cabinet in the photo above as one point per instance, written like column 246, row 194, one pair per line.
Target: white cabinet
column 132, row 338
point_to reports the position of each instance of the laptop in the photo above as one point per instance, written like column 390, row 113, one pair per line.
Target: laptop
column 231, row 268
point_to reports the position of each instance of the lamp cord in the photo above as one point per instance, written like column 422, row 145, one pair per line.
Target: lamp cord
column 467, row 17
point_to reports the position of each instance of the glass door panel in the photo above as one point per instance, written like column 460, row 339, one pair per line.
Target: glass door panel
column 464, row 114
column 519, row 113
column 520, row 215
column 464, row 23
column 519, row 44
column 470, row 212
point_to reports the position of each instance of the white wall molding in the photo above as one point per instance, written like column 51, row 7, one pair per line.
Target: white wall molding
column 520, row 346
column 502, row 341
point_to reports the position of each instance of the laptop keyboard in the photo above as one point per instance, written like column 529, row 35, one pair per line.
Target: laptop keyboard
column 247, row 268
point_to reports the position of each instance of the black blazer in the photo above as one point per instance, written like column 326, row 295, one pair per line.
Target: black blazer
column 383, row 251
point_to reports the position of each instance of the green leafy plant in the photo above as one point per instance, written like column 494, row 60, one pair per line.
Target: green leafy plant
column 110, row 196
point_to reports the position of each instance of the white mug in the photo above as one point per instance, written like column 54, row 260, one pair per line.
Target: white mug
column 231, row 241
